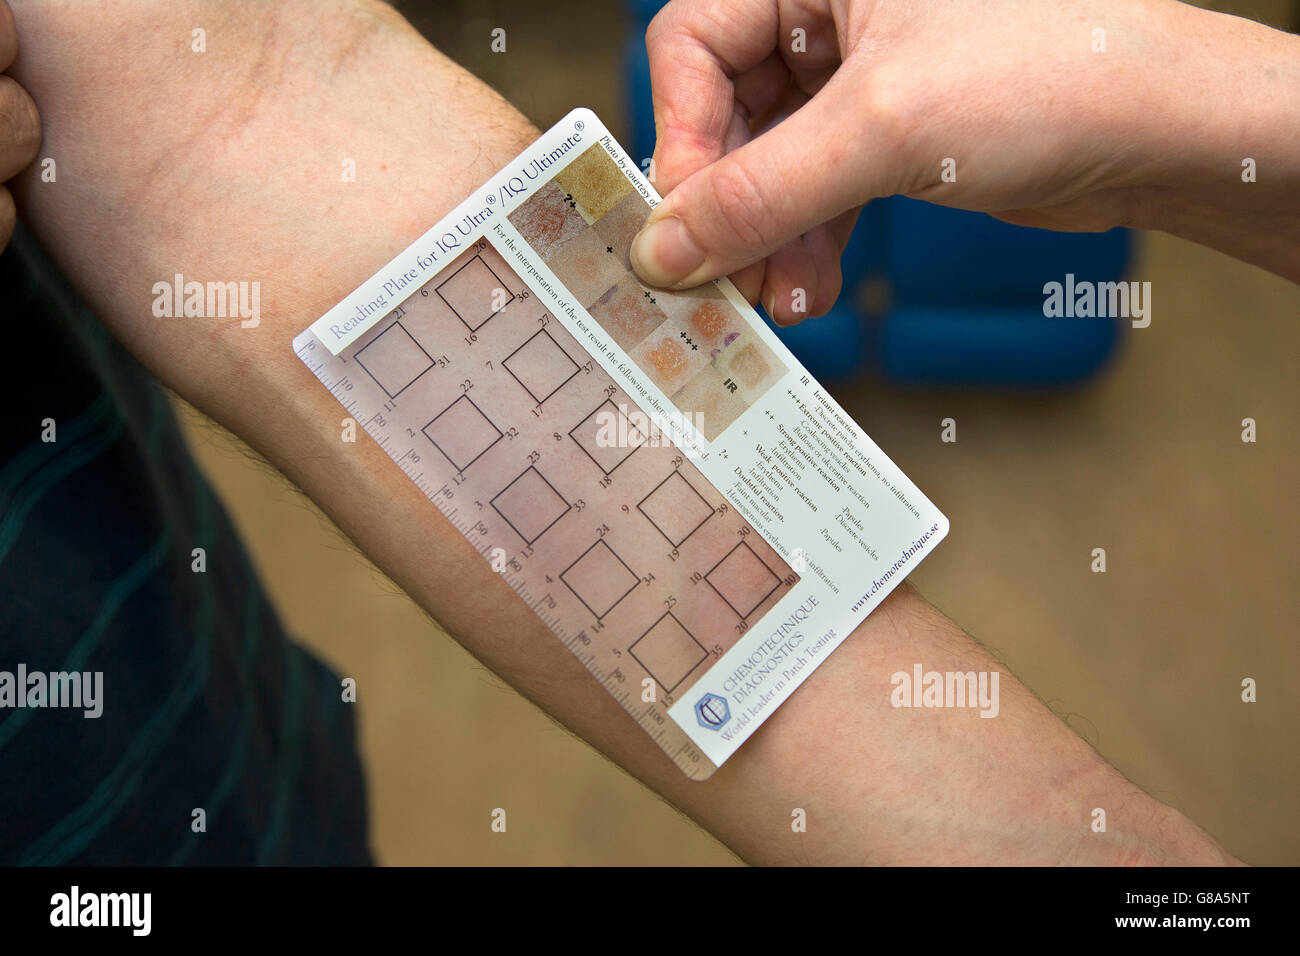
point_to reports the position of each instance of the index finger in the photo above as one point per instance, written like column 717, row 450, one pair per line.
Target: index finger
column 696, row 49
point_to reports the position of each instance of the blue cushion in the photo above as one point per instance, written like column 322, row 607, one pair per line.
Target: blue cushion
column 993, row 345
column 941, row 255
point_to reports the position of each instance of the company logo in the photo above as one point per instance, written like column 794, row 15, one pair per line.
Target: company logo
column 133, row 911
column 712, row 711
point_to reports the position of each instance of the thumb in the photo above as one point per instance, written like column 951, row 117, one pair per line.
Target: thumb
column 805, row 171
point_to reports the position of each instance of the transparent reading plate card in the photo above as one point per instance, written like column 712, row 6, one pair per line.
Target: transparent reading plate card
column 654, row 473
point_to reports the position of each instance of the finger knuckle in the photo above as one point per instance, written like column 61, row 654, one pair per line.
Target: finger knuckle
column 659, row 25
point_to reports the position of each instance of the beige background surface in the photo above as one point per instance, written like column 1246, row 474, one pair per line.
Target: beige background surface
column 1145, row 661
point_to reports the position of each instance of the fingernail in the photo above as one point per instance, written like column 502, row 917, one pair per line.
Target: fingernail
column 663, row 253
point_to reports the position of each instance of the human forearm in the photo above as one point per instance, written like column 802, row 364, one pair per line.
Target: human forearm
column 228, row 169
column 1210, row 134
column 1193, row 117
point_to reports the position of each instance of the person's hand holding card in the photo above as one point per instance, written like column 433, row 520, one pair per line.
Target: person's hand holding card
column 777, row 120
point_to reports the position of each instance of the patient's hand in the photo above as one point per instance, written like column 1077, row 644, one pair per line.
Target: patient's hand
column 20, row 126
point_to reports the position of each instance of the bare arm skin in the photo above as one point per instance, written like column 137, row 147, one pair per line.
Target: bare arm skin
column 226, row 166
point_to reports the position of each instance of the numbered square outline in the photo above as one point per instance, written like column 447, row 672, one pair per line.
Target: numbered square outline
column 539, row 400
column 567, row 507
column 461, row 468
column 608, row 401
column 760, row 601
column 397, row 324
column 477, row 257
column 636, row 578
column 704, row 654
column 712, row 510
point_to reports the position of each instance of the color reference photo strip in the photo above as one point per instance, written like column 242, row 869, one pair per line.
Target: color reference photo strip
column 696, row 346
column 627, row 551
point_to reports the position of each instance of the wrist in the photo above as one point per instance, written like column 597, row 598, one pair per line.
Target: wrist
column 1217, row 122
column 1168, row 839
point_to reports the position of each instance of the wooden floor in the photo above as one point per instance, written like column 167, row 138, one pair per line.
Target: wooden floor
column 1145, row 661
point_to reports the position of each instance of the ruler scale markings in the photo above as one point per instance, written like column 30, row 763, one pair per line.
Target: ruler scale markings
column 402, row 453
